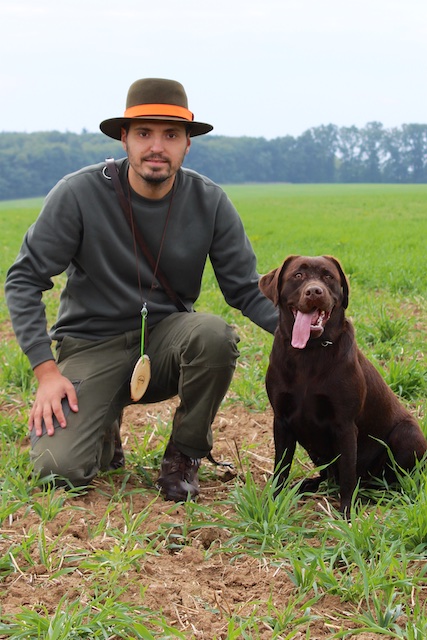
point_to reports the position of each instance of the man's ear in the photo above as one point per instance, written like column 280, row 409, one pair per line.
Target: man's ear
column 123, row 137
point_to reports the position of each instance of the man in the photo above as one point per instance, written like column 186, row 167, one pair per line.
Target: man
column 183, row 217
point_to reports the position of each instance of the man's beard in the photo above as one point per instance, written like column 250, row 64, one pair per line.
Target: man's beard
column 151, row 176
column 156, row 179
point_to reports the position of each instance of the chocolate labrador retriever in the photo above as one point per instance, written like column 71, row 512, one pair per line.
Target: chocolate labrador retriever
column 324, row 392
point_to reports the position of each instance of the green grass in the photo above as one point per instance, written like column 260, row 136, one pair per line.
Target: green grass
column 373, row 565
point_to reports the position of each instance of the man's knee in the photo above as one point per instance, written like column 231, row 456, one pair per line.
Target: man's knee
column 212, row 342
column 59, row 465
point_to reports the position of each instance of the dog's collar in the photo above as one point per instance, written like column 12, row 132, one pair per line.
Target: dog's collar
column 316, row 343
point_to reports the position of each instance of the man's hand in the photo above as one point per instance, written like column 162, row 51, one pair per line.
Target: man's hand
column 53, row 388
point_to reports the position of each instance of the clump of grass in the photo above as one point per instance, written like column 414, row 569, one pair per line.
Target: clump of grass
column 16, row 371
column 408, row 379
column 16, row 485
column 146, row 451
column 13, row 426
column 265, row 522
column 278, row 621
column 47, row 502
column 384, row 332
column 389, row 329
column 105, row 616
column 410, row 502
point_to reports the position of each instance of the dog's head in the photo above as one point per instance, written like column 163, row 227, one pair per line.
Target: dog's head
column 308, row 290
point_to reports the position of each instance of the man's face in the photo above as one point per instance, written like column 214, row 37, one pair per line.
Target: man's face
column 156, row 150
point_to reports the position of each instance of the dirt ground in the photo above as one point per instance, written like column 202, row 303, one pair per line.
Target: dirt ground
column 195, row 592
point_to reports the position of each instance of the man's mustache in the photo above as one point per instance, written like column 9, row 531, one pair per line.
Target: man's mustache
column 155, row 157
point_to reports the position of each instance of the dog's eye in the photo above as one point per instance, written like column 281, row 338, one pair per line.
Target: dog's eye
column 328, row 276
column 298, row 275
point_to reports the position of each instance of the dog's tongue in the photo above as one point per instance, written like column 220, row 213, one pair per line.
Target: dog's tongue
column 301, row 330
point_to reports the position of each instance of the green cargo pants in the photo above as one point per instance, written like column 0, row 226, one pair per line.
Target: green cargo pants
column 193, row 355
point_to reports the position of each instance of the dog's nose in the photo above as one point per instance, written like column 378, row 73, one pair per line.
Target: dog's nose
column 313, row 291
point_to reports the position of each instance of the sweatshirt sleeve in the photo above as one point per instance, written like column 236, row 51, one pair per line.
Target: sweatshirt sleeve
column 234, row 263
column 46, row 251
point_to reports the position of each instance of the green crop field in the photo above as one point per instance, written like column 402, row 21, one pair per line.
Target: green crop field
column 116, row 561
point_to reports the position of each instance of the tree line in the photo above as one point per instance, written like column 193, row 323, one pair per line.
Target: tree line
column 31, row 163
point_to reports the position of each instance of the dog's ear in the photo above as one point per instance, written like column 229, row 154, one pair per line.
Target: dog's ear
column 270, row 282
column 344, row 281
column 269, row 285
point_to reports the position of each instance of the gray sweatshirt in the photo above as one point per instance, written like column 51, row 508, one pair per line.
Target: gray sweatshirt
column 82, row 230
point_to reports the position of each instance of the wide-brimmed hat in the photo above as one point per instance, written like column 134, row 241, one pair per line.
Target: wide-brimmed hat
column 155, row 99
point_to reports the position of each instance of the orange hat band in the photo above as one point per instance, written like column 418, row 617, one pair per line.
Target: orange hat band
column 166, row 110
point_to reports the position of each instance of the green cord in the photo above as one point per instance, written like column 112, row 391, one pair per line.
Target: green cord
column 144, row 313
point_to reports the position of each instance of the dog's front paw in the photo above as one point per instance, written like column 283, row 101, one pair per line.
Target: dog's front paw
column 310, row 485
column 345, row 509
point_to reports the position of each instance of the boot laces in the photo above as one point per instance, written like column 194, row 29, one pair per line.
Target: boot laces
column 184, row 465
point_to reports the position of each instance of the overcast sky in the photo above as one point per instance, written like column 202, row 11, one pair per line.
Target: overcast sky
column 267, row 68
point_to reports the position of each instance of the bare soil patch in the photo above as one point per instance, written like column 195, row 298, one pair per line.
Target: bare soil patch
column 196, row 591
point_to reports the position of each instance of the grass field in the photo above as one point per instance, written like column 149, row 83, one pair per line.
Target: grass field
column 116, row 561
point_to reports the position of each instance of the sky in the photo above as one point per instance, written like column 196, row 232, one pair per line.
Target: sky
column 264, row 69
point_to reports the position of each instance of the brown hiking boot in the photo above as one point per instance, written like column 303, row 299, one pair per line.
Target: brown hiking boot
column 178, row 479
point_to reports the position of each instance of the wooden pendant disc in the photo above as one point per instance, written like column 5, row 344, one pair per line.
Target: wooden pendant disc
column 140, row 378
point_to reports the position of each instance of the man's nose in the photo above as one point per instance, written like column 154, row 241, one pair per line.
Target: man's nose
column 157, row 143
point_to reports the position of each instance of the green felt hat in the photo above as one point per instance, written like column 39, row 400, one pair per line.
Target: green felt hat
column 155, row 99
